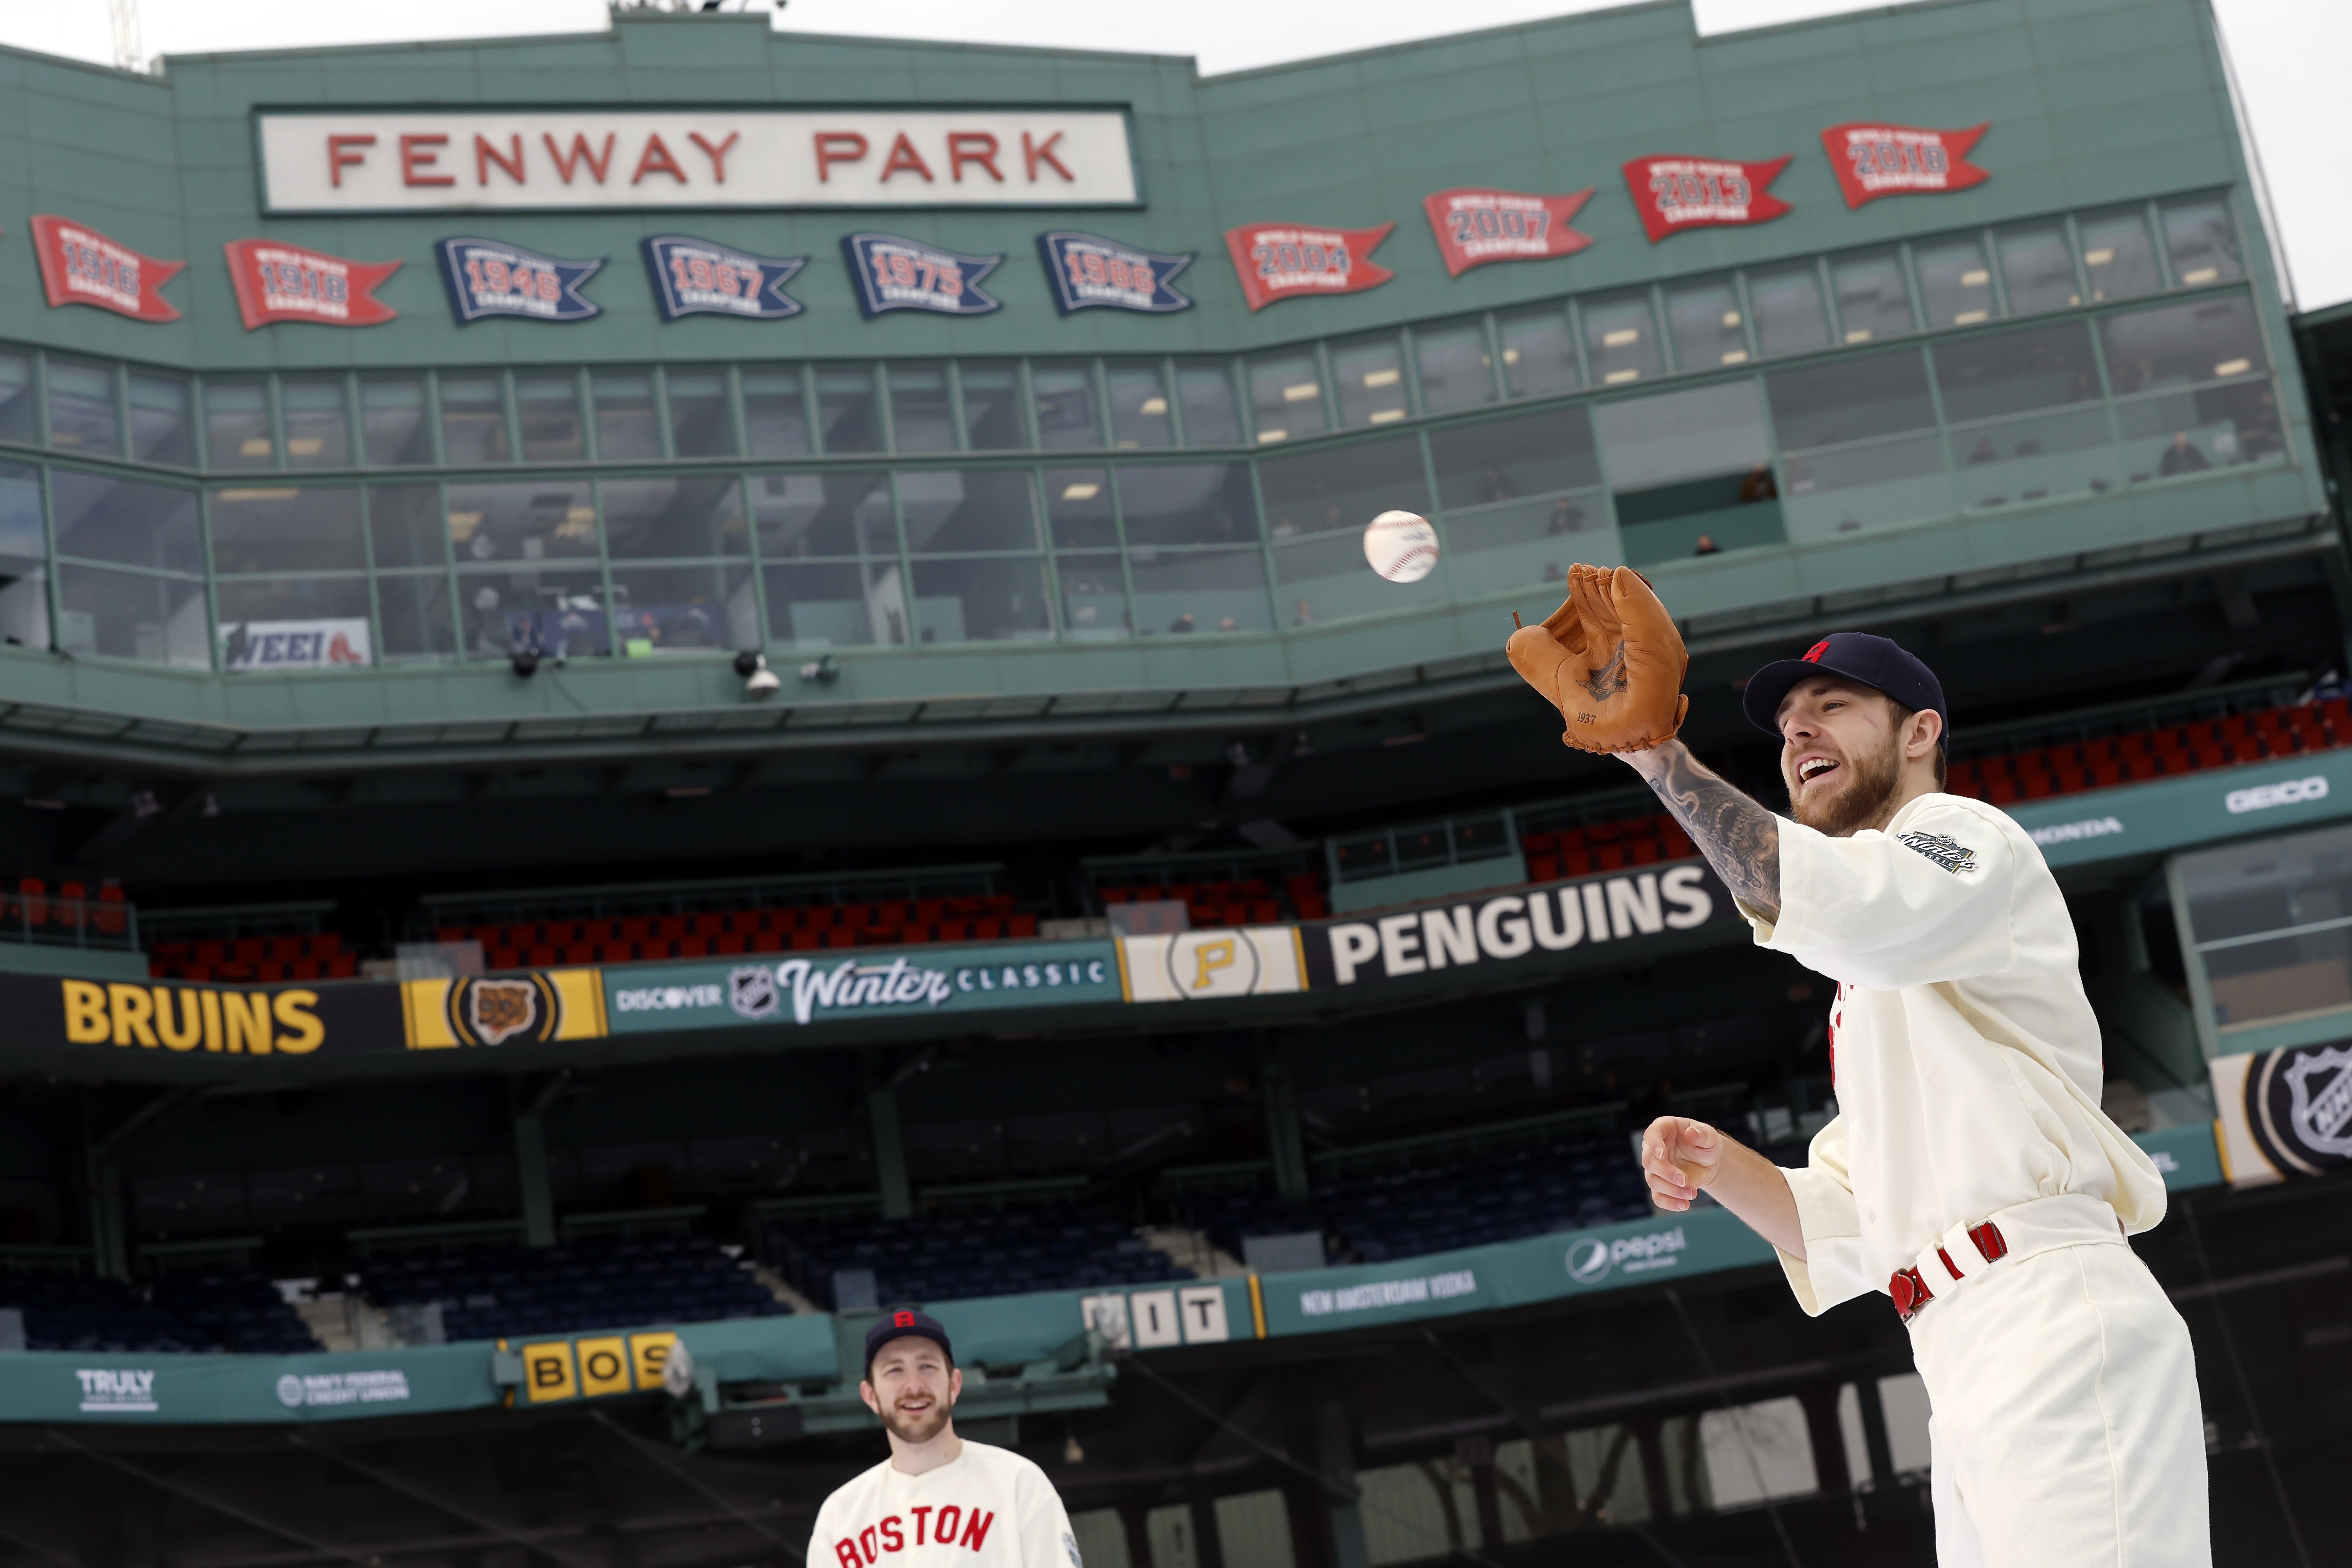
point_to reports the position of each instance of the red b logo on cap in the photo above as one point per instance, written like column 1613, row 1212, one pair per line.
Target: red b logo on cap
column 903, row 1320
column 1813, row 654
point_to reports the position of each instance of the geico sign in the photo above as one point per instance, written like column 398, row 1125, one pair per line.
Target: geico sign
column 187, row 1018
column 1515, row 925
column 459, row 160
column 2286, row 792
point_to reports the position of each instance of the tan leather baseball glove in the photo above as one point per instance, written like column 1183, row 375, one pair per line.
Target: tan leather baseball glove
column 1609, row 659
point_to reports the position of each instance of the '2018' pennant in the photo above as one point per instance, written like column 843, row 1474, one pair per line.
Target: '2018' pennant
column 1281, row 261
column 694, row 277
column 1873, row 160
column 1674, row 193
column 80, row 266
column 894, row 273
column 1088, row 270
column 277, row 282
column 1476, row 226
column 491, row 278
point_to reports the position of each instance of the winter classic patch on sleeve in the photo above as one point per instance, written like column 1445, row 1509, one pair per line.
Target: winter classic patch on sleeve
column 1070, row 1545
column 1943, row 849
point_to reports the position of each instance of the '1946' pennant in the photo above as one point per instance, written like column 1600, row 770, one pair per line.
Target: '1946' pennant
column 1875, row 160
column 1674, row 194
column 490, row 278
column 277, row 282
column 82, row 266
column 894, row 273
column 1283, row 261
column 694, row 277
column 1089, row 270
column 1474, row 227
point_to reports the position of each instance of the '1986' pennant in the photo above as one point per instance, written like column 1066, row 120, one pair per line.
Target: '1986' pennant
column 1875, row 160
column 1675, row 194
column 277, row 282
column 491, row 278
column 1089, row 270
column 897, row 274
column 1280, row 261
column 82, row 266
column 694, row 277
column 1476, row 226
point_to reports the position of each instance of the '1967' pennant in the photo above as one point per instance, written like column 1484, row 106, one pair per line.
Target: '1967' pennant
column 1476, row 226
column 82, row 266
column 1875, row 160
column 1280, row 261
column 277, row 282
column 491, row 278
column 694, row 277
column 1676, row 193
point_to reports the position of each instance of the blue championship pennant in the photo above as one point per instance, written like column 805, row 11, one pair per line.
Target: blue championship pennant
column 490, row 278
column 1088, row 269
column 897, row 274
column 694, row 277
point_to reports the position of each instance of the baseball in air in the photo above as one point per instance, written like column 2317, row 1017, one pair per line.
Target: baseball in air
column 1401, row 546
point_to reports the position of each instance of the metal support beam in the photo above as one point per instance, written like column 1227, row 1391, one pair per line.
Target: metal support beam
column 889, row 1153
column 530, row 1180
column 1285, row 1142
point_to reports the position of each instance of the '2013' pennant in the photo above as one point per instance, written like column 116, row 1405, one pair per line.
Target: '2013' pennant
column 694, row 277
column 491, row 278
column 1281, row 261
column 1088, row 270
column 277, row 282
column 1873, row 160
column 894, row 273
column 1674, row 194
column 80, row 266
column 1476, row 226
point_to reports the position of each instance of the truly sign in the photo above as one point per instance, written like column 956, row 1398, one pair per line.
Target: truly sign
column 462, row 160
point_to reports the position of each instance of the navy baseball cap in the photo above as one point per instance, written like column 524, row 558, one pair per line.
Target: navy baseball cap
column 1867, row 661
column 904, row 1324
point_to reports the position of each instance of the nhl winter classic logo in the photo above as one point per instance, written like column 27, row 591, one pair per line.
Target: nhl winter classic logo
column 2299, row 1107
column 1943, row 849
column 751, row 990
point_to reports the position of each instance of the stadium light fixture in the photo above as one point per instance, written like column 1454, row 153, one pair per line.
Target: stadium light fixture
column 758, row 680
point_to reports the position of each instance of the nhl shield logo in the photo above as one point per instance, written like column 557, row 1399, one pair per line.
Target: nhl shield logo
column 751, row 990
column 500, row 1009
column 2299, row 1108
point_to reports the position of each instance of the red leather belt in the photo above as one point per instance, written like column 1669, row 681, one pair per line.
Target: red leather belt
column 1909, row 1286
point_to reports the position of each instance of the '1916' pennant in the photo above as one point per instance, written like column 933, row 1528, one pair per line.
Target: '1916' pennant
column 277, row 282
column 82, row 266
column 1282, row 261
column 1873, row 160
column 491, row 278
column 1674, row 194
column 1476, row 226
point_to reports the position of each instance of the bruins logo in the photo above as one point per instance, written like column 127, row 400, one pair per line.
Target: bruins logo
column 490, row 1012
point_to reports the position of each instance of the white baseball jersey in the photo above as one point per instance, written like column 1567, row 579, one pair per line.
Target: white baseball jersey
column 1966, row 1057
column 987, row 1508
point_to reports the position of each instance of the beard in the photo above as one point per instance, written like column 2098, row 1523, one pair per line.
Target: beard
column 918, row 1427
column 1871, row 784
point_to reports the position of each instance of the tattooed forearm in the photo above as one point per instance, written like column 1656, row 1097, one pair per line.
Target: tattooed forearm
column 1739, row 838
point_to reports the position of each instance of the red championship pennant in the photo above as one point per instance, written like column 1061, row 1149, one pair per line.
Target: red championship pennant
column 278, row 282
column 1476, row 226
column 1279, row 261
column 1875, row 160
column 82, row 266
column 1674, row 194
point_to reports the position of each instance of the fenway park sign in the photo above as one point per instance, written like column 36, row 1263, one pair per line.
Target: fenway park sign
column 466, row 160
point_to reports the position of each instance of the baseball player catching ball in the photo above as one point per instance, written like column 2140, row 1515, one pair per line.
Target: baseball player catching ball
column 1969, row 1172
column 939, row 1500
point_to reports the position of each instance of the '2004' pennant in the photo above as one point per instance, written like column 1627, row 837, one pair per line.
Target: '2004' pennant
column 1089, row 270
column 1674, row 194
column 491, row 278
column 80, row 266
column 277, row 282
column 1875, row 160
column 694, row 277
column 1280, row 261
column 897, row 274
column 1476, row 226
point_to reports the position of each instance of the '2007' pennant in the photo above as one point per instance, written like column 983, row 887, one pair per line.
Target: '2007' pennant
column 491, row 278
column 1476, row 226
column 898, row 274
column 277, row 282
column 1089, row 270
column 694, row 277
column 1875, row 160
column 1281, row 261
column 1674, row 194
column 80, row 266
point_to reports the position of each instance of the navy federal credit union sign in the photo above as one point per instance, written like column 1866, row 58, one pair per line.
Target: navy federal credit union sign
column 491, row 278
column 1088, row 270
column 894, row 273
column 695, row 276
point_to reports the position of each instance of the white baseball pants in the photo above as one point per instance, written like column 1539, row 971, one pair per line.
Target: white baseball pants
column 2066, row 1426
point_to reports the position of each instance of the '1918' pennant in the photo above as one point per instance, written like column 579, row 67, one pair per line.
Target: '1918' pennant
column 491, row 278
column 277, row 282
column 1875, row 160
column 1476, row 226
column 897, row 274
column 1283, row 261
column 1089, row 270
column 1674, row 194
column 82, row 266
column 694, row 277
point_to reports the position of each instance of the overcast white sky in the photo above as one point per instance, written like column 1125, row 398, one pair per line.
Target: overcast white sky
column 2289, row 56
